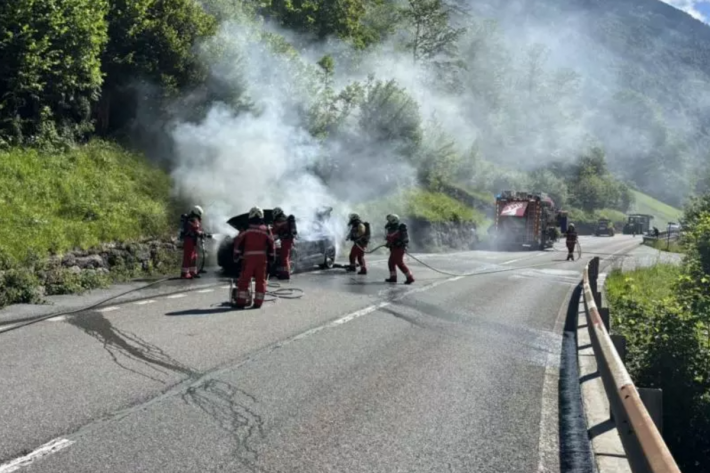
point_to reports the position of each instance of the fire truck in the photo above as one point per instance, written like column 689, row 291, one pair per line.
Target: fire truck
column 528, row 220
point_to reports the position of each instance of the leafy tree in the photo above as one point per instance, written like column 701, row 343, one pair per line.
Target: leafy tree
column 49, row 66
column 432, row 36
column 151, row 40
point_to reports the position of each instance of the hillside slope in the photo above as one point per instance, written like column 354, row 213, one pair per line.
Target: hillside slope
column 662, row 213
column 646, row 70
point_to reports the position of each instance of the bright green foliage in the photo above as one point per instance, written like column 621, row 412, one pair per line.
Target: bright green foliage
column 414, row 203
column 85, row 196
column 151, row 40
column 49, row 67
column 323, row 18
column 388, row 114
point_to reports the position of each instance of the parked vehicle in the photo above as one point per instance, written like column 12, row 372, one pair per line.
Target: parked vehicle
column 317, row 249
column 604, row 227
column 638, row 224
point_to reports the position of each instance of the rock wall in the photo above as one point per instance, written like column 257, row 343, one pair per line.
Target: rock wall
column 148, row 255
column 428, row 236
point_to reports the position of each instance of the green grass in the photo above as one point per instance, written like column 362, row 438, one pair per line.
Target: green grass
column 662, row 213
column 645, row 284
column 90, row 194
column 415, row 203
column 662, row 244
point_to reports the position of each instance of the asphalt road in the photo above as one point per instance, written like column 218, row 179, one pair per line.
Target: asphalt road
column 451, row 374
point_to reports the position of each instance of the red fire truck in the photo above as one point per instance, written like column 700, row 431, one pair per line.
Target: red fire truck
column 529, row 220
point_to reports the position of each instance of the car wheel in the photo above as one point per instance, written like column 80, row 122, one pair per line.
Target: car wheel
column 328, row 261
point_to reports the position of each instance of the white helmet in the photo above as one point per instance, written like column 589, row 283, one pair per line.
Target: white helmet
column 277, row 211
column 197, row 210
column 392, row 218
column 353, row 217
column 256, row 212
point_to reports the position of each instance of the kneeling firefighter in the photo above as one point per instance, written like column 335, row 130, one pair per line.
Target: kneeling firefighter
column 255, row 246
column 397, row 241
column 360, row 236
column 284, row 229
column 571, row 241
column 190, row 233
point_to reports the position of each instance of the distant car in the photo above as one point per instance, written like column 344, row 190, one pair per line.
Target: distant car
column 604, row 227
column 307, row 253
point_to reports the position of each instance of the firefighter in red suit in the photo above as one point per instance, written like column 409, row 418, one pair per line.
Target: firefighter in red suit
column 397, row 241
column 360, row 236
column 571, row 241
column 191, row 233
column 255, row 246
column 284, row 229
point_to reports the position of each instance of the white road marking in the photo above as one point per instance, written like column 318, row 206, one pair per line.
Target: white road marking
column 536, row 255
column 58, row 318
column 225, row 287
column 367, row 310
column 109, row 309
column 144, row 302
column 47, row 449
column 176, row 296
column 205, row 291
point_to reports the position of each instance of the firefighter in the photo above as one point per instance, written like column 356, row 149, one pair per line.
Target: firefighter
column 571, row 241
column 255, row 246
column 191, row 232
column 360, row 236
column 397, row 241
column 284, row 229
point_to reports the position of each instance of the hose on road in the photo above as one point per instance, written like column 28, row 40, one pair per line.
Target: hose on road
column 82, row 309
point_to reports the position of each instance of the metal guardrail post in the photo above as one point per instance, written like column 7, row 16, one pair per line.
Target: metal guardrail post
column 653, row 400
column 604, row 314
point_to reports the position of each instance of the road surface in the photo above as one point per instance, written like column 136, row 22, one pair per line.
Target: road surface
column 451, row 374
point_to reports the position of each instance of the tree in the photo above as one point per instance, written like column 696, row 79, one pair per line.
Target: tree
column 432, row 35
column 49, row 66
column 153, row 41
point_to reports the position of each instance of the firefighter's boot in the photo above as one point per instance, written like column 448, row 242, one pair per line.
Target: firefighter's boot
column 351, row 268
column 392, row 279
column 409, row 280
column 363, row 271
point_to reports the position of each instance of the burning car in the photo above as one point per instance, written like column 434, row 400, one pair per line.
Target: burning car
column 318, row 250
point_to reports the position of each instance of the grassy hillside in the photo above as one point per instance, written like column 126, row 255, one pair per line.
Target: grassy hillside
column 661, row 212
column 54, row 202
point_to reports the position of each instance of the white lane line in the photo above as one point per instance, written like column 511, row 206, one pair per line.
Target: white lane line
column 225, row 287
column 47, row 449
column 144, row 302
column 109, row 309
column 367, row 310
column 176, row 296
column 58, row 318
column 536, row 255
column 205, row 291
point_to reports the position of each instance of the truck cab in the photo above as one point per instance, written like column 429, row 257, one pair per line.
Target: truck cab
column 526, row 220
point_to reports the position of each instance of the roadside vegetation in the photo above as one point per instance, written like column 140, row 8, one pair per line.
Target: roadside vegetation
column 664, row 312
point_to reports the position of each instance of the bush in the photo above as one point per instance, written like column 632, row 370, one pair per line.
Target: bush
column 668, row 348
column 414, row 203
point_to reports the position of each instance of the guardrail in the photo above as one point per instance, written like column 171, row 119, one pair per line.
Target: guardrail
column 645, row 449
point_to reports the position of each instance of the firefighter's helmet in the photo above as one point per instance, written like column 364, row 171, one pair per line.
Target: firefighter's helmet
column 256, row 212
column 393, row 219
column 353, row 217
column 197, row 210
column 277, row 212
column 571, row 226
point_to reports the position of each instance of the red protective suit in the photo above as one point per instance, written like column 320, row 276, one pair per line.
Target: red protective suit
column 397, row 240
column 189, row 248
column 360, row 239
column 284, row 232
column 255, row 246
